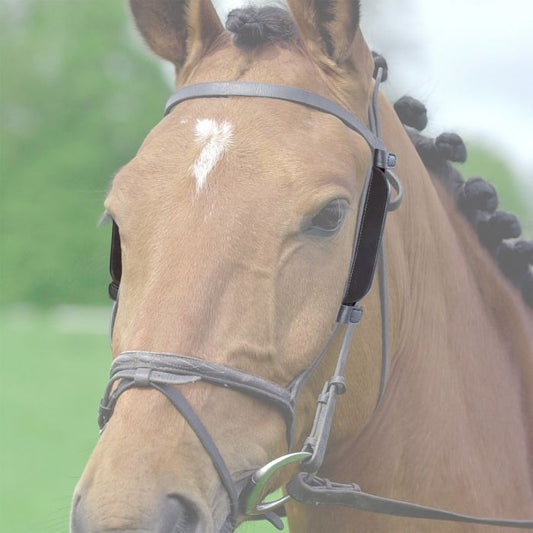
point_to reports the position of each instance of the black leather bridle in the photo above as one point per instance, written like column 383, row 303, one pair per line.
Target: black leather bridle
column 163, row 371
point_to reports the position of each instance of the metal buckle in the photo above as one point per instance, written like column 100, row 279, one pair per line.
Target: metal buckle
column 256, row 502
column 384, row 159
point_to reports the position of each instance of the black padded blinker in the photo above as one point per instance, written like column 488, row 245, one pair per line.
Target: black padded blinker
column 369, row 238
column 115, row 262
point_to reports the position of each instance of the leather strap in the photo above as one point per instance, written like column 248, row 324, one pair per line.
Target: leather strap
column 317, row 441
column 115, row 262
column 221, row 89
column 372, row 212
column 372, row 223
column 322, row 491
column 183, row 406
column 163, row 371
column 178, row 369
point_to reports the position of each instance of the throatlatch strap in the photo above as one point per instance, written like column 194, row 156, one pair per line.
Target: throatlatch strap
column 322, row 491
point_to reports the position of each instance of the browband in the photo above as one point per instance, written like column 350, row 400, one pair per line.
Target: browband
column 220, row 89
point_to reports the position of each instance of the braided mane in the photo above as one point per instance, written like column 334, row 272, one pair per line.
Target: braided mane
column 498, row 231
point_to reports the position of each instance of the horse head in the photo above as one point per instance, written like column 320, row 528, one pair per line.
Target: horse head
column 236, row 220
column 237, row 228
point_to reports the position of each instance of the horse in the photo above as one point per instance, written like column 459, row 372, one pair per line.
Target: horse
column 236, row 222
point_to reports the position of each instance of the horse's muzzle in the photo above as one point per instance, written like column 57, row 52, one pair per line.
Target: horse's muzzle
column 176, row 514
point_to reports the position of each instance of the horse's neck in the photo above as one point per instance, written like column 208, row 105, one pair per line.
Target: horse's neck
column 454, row 428
column 462, row 338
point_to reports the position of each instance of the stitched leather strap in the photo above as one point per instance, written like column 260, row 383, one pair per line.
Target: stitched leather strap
column 177, row 369
column 322, row 491
column 376, row 195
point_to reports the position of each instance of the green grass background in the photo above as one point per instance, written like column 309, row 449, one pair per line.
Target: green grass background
column 77, row 96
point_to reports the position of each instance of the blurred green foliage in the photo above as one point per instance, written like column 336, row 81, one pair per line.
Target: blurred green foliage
column 78, row 95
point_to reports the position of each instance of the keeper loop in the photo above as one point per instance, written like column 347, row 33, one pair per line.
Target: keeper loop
column 323, row 398
column 142, row 377
column 350, row 314
column 384, row 159
column 340, row 384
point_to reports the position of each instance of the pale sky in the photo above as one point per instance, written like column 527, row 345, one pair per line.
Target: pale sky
column 469, row 61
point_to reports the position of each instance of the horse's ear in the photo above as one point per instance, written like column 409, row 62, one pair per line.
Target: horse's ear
column 327, row 27
column 177, row 30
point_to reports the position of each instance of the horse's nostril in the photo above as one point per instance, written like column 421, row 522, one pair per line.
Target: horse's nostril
column 179, row 516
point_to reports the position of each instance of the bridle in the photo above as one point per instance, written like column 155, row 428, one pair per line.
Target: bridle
column 163, row 371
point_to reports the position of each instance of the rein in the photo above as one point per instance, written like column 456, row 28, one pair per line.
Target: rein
column 163, row 371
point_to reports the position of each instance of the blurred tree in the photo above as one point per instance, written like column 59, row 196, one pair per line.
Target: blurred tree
column 77, row 99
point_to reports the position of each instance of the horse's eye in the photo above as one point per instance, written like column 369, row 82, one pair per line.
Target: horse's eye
column 328, row 220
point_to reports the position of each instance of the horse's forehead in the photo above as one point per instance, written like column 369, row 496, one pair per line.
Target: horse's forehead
column 229, row 139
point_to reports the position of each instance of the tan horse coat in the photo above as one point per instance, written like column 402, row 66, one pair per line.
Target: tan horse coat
column 226, row 274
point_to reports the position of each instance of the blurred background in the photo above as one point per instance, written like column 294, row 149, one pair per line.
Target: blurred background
column 79, row 92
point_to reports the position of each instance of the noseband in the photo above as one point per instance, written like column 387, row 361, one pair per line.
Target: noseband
column 163, row 371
